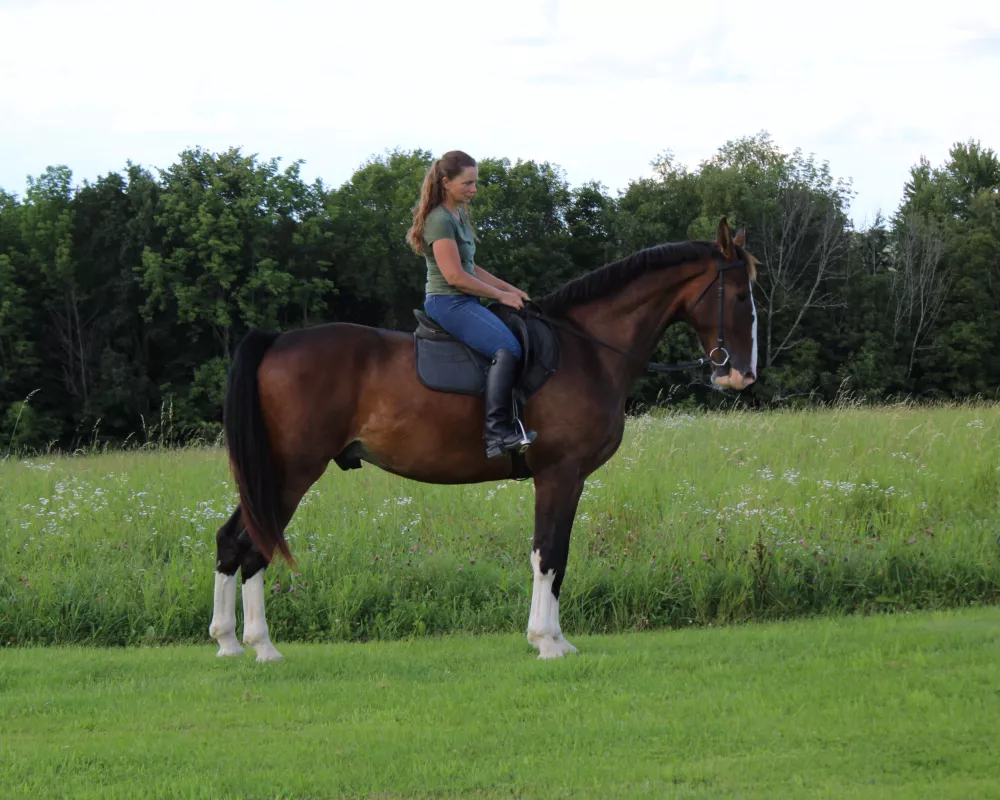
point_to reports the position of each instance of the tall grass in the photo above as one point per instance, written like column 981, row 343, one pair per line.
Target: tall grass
column 698, row 519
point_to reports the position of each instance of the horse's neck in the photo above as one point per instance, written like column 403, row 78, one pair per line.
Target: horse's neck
column 635, row 318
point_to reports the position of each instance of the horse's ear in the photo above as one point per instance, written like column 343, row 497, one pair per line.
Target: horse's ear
column 724, row 238
column 740, row 239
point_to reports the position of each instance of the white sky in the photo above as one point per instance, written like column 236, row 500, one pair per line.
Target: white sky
column 599, row 88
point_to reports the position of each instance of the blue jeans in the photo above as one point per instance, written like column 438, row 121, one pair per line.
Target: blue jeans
column 469, row 322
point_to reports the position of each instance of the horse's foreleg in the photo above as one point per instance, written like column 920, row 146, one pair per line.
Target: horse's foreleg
column 228, row 556
column 556, row 497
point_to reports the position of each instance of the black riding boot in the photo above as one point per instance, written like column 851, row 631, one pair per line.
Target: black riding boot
column 499, row 433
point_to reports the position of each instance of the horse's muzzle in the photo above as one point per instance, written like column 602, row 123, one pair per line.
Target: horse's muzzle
column 734, row 379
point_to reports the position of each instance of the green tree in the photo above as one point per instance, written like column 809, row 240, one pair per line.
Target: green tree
column 122, row 297
column 380, row 277
column 227, row 261
column 19, row 361
column 660, row 209
column 960, row 202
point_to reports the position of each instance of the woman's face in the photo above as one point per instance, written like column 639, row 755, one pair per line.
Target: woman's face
column 462, row 188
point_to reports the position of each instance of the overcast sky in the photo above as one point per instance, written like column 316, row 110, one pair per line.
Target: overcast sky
column 599, row 88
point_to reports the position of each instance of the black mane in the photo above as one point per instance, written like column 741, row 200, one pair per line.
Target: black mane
column 605, row 280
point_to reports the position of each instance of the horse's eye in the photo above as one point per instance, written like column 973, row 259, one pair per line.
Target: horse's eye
column 742, row 297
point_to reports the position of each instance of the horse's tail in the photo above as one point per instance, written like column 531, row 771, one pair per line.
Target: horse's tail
column 249, row 452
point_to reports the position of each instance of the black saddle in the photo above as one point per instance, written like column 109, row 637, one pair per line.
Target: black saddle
column 445, row 364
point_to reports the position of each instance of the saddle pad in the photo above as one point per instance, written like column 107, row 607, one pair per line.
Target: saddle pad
column 450, row 366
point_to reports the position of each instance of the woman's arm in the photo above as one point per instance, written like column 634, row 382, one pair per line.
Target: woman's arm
column 494, row 281
column 450, row 264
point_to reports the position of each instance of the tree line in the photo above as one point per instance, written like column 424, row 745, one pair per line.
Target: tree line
column 122, row 300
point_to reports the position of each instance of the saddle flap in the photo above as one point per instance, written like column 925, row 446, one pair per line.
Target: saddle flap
column 450, row 366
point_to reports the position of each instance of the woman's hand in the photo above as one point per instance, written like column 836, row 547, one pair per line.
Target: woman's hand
column 512, row 299
column 519, row 293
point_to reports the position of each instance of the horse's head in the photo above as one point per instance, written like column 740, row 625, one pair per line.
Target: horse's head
column 722, row 312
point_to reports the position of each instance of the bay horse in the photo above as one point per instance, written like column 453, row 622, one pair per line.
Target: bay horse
column 347, row 393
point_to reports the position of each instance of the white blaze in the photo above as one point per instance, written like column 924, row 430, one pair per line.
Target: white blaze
column 753, row 351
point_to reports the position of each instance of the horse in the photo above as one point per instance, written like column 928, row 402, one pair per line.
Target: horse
column 347, row 393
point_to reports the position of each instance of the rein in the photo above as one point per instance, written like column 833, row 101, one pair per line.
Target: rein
column 720, row 270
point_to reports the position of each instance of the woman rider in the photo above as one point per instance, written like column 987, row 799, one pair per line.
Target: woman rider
column 442, row 234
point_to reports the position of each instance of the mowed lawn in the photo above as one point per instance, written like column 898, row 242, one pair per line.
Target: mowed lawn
column 903, row 706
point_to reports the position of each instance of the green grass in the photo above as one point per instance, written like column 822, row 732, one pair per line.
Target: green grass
column 893, row 706
column 698, row 519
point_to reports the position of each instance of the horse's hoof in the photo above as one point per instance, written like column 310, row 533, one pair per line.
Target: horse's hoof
column 228, row 646
column 549, row 646
column 269, row 655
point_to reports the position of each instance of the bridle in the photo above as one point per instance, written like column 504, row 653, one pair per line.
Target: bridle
column 720, row 275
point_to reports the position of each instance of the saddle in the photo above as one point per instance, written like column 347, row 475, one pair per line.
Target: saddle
column 444, row 364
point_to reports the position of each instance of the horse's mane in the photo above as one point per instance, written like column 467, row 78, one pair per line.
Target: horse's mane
column 611, row 277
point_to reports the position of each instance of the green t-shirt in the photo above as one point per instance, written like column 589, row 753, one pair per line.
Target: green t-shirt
column 442, row 224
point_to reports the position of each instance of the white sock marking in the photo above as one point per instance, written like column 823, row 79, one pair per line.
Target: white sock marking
column 254, row 624
column 223, row 625
column 543, row 621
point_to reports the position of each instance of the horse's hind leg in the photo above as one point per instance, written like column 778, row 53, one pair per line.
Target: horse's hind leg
column 236, row 551
column 252, row 567
column 255, row 632
column 229, row 552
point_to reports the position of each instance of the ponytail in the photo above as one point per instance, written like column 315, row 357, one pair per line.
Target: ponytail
column 431, row 196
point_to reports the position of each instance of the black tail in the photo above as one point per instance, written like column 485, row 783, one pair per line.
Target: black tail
column 249, row 453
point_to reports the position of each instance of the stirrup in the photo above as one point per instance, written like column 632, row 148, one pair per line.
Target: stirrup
column 526, row 438
column 517, row 441
column 514, row 443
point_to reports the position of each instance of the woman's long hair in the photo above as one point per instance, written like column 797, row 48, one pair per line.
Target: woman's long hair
column 450, row 165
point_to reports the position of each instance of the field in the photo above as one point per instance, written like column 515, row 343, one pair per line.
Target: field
column 849, row 556
column 698, row 519
column 888, row 706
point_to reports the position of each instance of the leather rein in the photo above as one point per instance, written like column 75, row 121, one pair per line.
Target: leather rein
column 720, row 276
